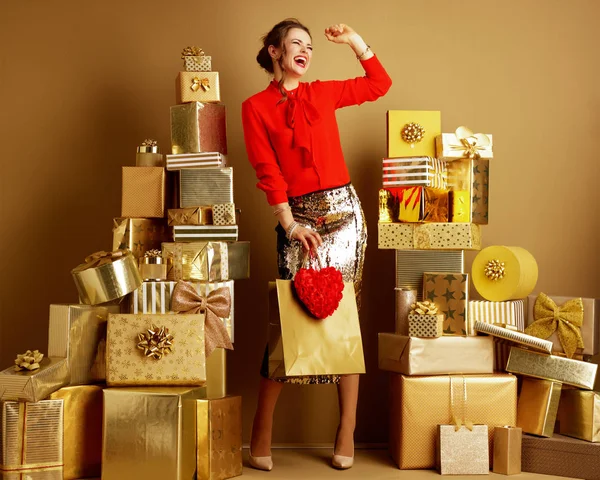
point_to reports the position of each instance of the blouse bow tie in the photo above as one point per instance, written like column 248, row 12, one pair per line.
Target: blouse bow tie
column 301, row 115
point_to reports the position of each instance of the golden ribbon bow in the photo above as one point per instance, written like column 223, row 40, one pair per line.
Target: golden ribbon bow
column 424, row 308
column 192, row 52
column 457, row 420
column 566, row 320
column 156, row 342
column 216, row 305
column 198, row 83
column 30, row 360
column 470, row 142
column 100, row 258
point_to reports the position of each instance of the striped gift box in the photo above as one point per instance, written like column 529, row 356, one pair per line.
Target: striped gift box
column 190, row 233
column 509, row 313
column 205, row 186
column 514, row 337
column 414, row 171
column 412, row 264
column 196, row 160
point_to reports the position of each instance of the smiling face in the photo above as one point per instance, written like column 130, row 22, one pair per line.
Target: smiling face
column 295, row 54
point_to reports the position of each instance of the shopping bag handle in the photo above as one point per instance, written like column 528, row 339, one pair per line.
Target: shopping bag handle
column 308, row 254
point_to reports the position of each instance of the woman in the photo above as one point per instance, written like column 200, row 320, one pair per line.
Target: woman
column 293, row 143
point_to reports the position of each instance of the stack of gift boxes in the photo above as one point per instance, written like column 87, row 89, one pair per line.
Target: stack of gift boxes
column 133, row 383
column 454, row 402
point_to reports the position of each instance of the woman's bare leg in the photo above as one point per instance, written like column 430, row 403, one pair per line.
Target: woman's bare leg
column 348, row 400
column 262, row 427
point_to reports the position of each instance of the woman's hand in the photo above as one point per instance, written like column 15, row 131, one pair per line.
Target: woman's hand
column 339, row 33
column 310, row 239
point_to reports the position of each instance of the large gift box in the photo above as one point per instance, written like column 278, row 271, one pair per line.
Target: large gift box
column 411, row 265
column 82, row 445
column 150, row 433
column 435, row 356
column 139, row 234
column 538, row 406
column 468, row 181
column 213, row 233
column 412, row 133
column 450, row 292
column 34, row 385
column 32, row 435
column 511, row 313
column 219, row 438
column 429, row 236
column 412, row 171
column 143, row 192
column 198, row 87
column 196, row 160
column 155, row 350
column 198, row 127
column 420, row 404
column 579, row 414
column 205, row 186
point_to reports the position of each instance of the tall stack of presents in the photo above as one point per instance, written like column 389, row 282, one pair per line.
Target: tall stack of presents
column 133, row 382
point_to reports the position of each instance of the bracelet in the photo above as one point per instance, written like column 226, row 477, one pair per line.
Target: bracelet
column 368, row 49
column 281, row 210
column 292, row 226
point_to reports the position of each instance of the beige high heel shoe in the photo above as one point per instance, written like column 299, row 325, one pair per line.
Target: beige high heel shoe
column 339, row 461
column 261, row 463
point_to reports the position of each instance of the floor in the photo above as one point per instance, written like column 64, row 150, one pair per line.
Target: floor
column 313, row 464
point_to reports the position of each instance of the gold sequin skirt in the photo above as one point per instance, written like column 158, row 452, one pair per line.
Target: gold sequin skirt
column 338, row 217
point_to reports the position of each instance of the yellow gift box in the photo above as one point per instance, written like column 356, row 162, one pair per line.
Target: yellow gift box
column 462, row 450
column 468, row 181
column 155, row 350
column 198, row 87
column 150, row 433
column 538, row 406
column 219, row 438
column 450, row 292
column 429, row 236
column 34, row 385
column 400, row 131
column 143, row 193
column 139, row 235
column 82, row 449
column 198, row 127
column 507, row 450
column 423, row 204
column 579, row 414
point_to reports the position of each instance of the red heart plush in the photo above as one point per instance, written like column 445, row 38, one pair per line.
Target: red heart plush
column 319, row 290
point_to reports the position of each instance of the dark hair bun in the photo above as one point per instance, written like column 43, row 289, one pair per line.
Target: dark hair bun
column 264, row 59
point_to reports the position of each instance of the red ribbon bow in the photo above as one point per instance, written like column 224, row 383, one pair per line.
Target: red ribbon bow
column 301, row 115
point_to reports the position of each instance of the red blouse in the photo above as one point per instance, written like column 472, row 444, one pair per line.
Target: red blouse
column 294, row 145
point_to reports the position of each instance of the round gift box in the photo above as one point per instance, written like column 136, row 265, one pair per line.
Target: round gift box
column 107, row 282
column 520, row 273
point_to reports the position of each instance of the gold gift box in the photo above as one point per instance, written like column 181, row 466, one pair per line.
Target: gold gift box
column 538, row 406
column 219, row 438
column 82, row 450
column 429, row 236
column 205, row 186
column 139, row 235
column 430, row 121
column 143, row 192
column 52, row 473
column 459, row 206
column 190, row 216
column 32, row 434
column 507, row 450
column 198, row 87
column 34, row 385
column 550, row 367
column 579, row 414
column 468, row 181
column 450, row 148
column 195, row 160
column 150, row 433
column 197, row 63
column 509, row 335
column 198, row 127
column 450, row 292
column 463, row 451
column 216, row 373
column 423, row 204
column 212, row 233
column 420, row 404
column 425, row 326
column 126, row 364
column 435, row 356
column 506, row 313
column 414, row 171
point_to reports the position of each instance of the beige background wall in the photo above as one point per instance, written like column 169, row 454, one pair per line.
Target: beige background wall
column 82, row 83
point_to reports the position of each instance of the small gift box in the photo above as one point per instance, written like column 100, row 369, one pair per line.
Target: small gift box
column 509, row 313
column 425, row 321
column 212, row 233
column 463, row 450
column 196, row 160
column 190, row 216
column 538, row 406
column 153, row 267
column 198, row 87
column 412, row 133
column 414, row 171
column 198, row 127
column 224, row 214
column 463, row 143
column 143, row 192
column 32, row 435
column 139, row 234
column 429, row 236
column 106, row 276
column 468, row 181
column 507, row 450
column 148, row 155
column 194, row 60
column 423, row 204
column 205, row 186
column 450, row 292
column 513, row 336
column 579, row 414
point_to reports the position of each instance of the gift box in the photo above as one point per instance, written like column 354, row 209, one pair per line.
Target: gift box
column 550, row 367
column 82, row 417
column 195, row 233
column 194, row 60
column 216, row 373
column 435, row 356
column 429, row 236
column 463, row 143
column 579, row 414
column 139, row 234
column 198, row 127
column 507, row 450
column 150, row 432
column 143, row 193
column 420, row 404
column 469, row 180
column 219, row 438
column 198, row 87
column 32, row 435
column 562, row 456
column 450, row 292
column 205, row 186
column 462, row 450
column 224, row 214
column 148, row 155
column 553, row 313
column 155, row 350
column 423, row 204
column 52, row 473
column 207, row 261
column 459, row 206
column 78, row 333
column 414, row 171
column 196, row 160
column 405, row 298
column 509, row 313
column 538, row 406
column 190, row 216
column 412, row 133
column 34, row 385
column 513, row 336
column 426, row 326
column 106, row 276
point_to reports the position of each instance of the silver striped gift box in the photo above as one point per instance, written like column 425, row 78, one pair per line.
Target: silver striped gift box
column 411, row 264
column 205, row 186
column 196, row 160
column 217, row 233
column 414, row 171
column 509, row 313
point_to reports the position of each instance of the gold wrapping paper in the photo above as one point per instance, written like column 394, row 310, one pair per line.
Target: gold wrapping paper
column 405, row 297
column 139, row 234
column 35, row 385
column 450, row 292
column 300, row 345
column 205, row 186
column 430, row 121
column 519, row 338
column 150, row 433
column 143, row 192
column 127, row 365
column 414, row 171
column 32, row 435
column 579, row 414
column 78, row 333
column 550, row 367
column 197, row 63
column 435, row 356
column 423, row 204
column 507, row 450
column 107, row 282
column 468, row 181
column 216, row 374
column 219, row 438
column 149, row 159
column 420, row 404
column 224, row 214
column 196, row 160
column 429, row 236
column 590, row 329
column 507, row 313
column 82, row 449
column 190, row 216
column 213, row 233
column 520, row 277
column 459, row 206
column 463, row 451
column 198, row 127
column 198, row 87
column 538, row 406
column 448, row 146
column 50, row 473
column 426, row 326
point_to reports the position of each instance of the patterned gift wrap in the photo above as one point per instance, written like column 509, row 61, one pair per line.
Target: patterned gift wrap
column 143, row 192
column 450, row 292
column 197, row 63
column 194, row 233
column 423, row 204
column 412, row 264
column 139, row 235
column 463, row 451
column 198, row 87
column 425, row 326
column 424, row 171
column 35, row 385
column 198, row 127
column 506, row 313
column 470, row 179
column 205, row 186
column 196, row 160
column 429, row 236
